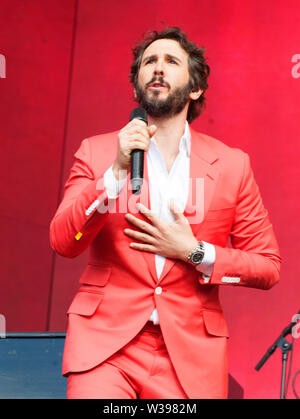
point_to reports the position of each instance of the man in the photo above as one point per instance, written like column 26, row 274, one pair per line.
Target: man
column 146, row 321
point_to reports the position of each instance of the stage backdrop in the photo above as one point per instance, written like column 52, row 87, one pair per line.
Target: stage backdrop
column 64, row 77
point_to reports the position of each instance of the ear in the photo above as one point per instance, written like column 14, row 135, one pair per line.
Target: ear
column 134, row 93
column 195, row 94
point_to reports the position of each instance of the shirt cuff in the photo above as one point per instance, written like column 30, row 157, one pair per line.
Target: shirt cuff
column 112, row 185
column 206, row 267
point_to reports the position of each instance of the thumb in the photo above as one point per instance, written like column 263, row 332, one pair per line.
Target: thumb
column 152, row 130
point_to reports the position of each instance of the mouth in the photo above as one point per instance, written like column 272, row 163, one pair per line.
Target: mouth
column 157, row 86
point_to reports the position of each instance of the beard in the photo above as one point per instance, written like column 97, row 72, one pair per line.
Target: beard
column 156, row 108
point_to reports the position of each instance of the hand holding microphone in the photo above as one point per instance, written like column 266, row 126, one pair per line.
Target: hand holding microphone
column 134, row 136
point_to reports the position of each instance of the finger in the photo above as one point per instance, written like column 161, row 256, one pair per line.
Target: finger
column 143, row 247
column 148, row 214
column 143, row 237
column 177, row 213
column 135, row 126
column 137, row 136
column 143, row 225
column 132, row 139
column 138, row 145
column 139, row 130
column 152, row 130
column 136, row 122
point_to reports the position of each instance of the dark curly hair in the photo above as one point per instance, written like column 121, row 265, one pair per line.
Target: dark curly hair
column 198, row 68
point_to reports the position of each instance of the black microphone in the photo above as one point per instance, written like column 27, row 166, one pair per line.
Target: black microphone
column 137, row 156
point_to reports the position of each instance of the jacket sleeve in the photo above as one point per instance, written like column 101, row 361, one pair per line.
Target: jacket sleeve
column 83, row 209
column 254, row 259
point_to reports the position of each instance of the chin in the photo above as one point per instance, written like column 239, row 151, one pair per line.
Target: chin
column 158, row 96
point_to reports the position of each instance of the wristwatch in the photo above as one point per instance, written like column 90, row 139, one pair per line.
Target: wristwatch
column 197, row 255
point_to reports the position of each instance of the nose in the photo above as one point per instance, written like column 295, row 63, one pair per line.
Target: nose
column 159, row 68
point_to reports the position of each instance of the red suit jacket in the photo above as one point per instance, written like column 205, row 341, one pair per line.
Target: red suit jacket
column 116, row 294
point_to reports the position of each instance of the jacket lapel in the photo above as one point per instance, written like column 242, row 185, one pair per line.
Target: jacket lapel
column 144, row 198
column 202, row 184
column 203, row 180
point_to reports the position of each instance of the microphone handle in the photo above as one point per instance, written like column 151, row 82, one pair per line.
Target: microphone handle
column 137, row 166
column 137, row 156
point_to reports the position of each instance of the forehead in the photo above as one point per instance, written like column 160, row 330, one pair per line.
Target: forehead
column 160, row 47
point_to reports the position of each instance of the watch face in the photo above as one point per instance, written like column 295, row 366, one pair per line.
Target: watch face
column 197, row 257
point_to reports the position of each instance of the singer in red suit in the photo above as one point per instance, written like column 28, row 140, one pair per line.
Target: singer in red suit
column 146, row 321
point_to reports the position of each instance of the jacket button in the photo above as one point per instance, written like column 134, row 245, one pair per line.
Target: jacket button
column 158, row 290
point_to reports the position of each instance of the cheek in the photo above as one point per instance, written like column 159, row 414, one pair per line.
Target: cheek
column 184, row 78
column 143, row 77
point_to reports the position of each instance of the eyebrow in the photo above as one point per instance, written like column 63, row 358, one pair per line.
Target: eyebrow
column 170, row 56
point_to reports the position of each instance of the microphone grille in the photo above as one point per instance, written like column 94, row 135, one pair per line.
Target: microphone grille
column 139, row 113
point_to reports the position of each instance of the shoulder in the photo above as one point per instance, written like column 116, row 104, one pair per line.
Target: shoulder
column 98, row 151
column 102, row 141
column 98, row 144
column 229, row 157
column 219, row 147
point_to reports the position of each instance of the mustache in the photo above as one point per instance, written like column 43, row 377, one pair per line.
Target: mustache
column 159, row 80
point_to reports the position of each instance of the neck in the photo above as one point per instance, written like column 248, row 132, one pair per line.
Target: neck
column 169, row 132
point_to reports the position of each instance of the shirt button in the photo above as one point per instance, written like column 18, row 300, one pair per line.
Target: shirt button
column 158, row 290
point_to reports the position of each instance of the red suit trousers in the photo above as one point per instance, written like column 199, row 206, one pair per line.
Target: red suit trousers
column 140, row 370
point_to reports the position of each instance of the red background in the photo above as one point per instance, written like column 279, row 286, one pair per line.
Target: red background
column 67, row 66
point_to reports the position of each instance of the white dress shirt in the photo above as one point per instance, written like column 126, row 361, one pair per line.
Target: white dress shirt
column 163, row 187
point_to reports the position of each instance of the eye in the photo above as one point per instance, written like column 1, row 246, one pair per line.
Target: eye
column 151, row 60
column 172, row 60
